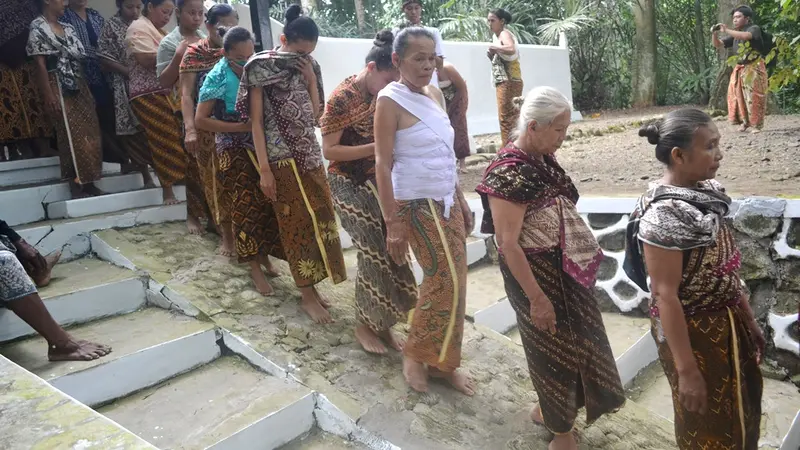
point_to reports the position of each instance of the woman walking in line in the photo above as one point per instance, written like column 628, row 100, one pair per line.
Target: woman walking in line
column 198, row 60
column 58, row 53
column 385, row 290
column 506, row 71
column 455, row 93
column 115, row 62
column 253, row 217
column 709, row 342
column 423, row 206
column 549, row 261
column 281, row 92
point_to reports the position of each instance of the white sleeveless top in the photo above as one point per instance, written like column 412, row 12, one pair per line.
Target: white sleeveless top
column 515, row 56
column 424, row 159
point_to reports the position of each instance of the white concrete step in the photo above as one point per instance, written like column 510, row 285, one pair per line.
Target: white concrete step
column 81, row 291
column 36, row 170
column 226, row 404
column 149, row 346
column 35, row 198
column 317, row 439
column 111, row 203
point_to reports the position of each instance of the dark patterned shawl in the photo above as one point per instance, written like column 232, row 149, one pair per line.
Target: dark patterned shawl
column 17, row 18
column 675, row 218
column 89, row 32
column 289, row 119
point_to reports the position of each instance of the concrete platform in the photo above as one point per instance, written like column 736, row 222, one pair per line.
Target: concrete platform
column 320, row 440
column 149, row 346
column 36, row 170
column 110, row 203
column 484, row 287
column 82, row 291
column 35, row 415
column 206, row 406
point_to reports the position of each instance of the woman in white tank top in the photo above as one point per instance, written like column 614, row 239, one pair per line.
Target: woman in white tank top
column 423, row 207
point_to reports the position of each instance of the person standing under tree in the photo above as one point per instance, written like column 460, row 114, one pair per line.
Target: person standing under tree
column 747, row 90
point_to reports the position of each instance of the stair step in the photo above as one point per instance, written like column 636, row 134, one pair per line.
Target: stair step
column 320, row 440
column 485, row 287
column 217, row 404
column 37, row 170
column 35, row 197
column 149, row 346
column 110, row 203
column 81, row 291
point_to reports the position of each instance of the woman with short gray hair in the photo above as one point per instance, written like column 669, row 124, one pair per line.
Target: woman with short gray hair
column 549, row 261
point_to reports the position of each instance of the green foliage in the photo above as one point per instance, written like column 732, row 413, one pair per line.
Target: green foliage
column 782, row 19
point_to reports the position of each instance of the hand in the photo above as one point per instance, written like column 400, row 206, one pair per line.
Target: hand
column 191, row 142
column 185, row 44
column 267, row 185
column 758, row 340
column 245, row 127
column 30, row 256
column 543, row 316
column 469, row 220
column 490, row 54
column 52, row 106
column 306, row 69
column 723, row 28
column 397, row 240
column 692, row 391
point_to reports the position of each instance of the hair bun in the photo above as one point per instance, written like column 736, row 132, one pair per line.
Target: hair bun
column 292, row 12
column 651, row 131
column 384, row 38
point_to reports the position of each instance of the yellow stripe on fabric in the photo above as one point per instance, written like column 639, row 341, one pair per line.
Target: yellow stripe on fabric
column 454, row 308
column 69, row 132
column 19, row 95
column 214, row 185
column 317, row 235
column 375, row 193
column 253, row 158
column 737, row 368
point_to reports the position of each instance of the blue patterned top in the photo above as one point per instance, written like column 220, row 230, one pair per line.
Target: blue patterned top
column 221, row 84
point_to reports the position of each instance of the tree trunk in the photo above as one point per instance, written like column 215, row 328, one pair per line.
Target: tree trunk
column 644, row 70
column 719, row 92
column 700, row 46
column 361, row 16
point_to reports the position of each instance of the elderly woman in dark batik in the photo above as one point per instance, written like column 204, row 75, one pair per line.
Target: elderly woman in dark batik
column 549, row 261
column 58, row 53
column 709, row 342
column 115, row 61
column 281, row 92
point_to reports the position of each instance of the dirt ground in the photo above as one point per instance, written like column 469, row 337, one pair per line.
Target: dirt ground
column 605, row 156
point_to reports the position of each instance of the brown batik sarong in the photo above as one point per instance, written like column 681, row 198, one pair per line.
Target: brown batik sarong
column 255, row 226
column 507, row 112
column 457, row 111
column 78, row 134
column 218, row 199
column 137, row 149
column 22, row 113
column 385, row 290
column 747, row 94
column 439, row 244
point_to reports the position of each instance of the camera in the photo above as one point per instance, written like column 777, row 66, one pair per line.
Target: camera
column 716, row 28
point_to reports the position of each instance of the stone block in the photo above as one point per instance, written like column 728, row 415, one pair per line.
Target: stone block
column 608, row 268
column 759, row 217
column 762, row 298
column 613, row 241
column 110, row 203
column 600, row 221
column 757, row 263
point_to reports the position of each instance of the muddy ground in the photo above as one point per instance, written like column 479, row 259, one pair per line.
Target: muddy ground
column 605, row 156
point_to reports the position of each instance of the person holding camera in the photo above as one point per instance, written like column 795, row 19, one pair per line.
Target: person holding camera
column 747, row 90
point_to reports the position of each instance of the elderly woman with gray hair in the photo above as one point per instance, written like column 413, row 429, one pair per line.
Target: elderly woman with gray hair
column 549, row 261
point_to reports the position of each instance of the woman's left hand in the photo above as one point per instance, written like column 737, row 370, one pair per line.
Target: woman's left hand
column 758, row 340
column 469, row 220
column 306, row 68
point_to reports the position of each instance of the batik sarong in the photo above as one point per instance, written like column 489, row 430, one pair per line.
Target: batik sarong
column 439, row 245
column 711, row 292
column 22, row 113
column 507, row 111
column 573, row 367
column 747, row 94
column 14, row 281
column 457, row 111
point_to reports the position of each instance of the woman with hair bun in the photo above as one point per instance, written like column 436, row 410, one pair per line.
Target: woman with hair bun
column 385, row 290
column 709, row 342
column 197, row 61
column 549, row 261
column 506, row 70
column 281, row 93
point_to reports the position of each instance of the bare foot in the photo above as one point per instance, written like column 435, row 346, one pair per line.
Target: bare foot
column 322, row 300
column 77, row 351
column 169, row 196
column 228, row 247
column 457, row 378
column 313, row 307
column 536, row 414
column 369, row 340
column 416, row 375
column 462, row 166
column 226, row 252
column 262, row 285
column 755, row 131
column 52, row 260
column 92, row 191
column 394, row 340
column 194, row 225
column 743, row 128
column 148, row 179
column 269, row 269
column 563, row 442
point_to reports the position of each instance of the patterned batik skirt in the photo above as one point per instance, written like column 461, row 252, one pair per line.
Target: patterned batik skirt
column 439, row 244
column 507, row 91
column 78, row 134
column 385, row 290
column 14, row 280
column 573, row 367
column 217, row 198
column 747, row 94
column 22, row 113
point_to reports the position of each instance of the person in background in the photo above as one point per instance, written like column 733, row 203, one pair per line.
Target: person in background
column 197, row 61
column 709, row 342
column 747, row 89
column 413, row 18
column 58, row 53
column 115, row 62
column 281, row 92
column 549, row 262
column 255, row 226
column 423, row 206
column 385, row 290
column 455, row 93
column 506, row 70
column 18, row 293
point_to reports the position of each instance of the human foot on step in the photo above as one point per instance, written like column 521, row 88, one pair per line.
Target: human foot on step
column 457, row 378
column 396, row 341
column 322, row 300
column 563, row 442
column 536, row 414
column 194, row 226
column 226, row 251
column 269, row 269
column 169, row 196
column 369, row 340
column 315, row 310
column 77, row 351
column 416, row 375
column 51, row 260
column 262, row 285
